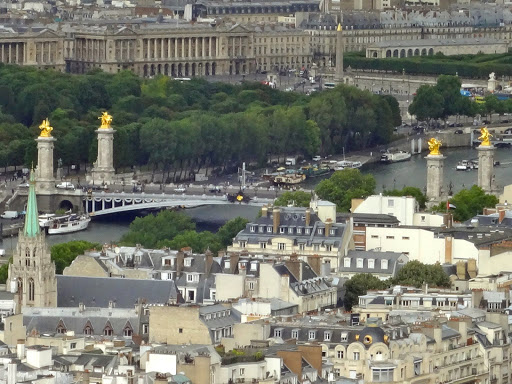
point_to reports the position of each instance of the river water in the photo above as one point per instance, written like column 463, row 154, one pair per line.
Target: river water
column 414, row 172
column 397, row 175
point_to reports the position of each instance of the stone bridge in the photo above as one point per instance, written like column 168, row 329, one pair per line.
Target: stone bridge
column 103, row 203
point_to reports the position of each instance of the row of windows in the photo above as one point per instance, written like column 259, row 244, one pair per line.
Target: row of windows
column 371, row 263
column 289, row 230
column 282, row 246
column 390, row 237
column 278, row 332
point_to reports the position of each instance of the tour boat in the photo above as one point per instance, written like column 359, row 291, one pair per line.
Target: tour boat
column 348, row 164
column 465, row 165
column 68, row 224
column 313, row 171
column 46, row 219
column 289, row 179
column 395, row 157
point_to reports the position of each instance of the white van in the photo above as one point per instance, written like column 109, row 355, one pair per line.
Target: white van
column 9, row 215
column 65, row 185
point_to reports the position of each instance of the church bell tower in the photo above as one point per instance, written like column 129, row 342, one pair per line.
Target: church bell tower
column 32, row 273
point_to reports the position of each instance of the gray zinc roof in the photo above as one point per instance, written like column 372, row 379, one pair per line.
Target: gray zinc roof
column 99, row 291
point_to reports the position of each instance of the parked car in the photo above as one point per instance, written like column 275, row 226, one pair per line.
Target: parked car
column 180, row 189
column 24, row 185
column 317, row 158
column 216, row 189
column 459, row 132
column 9, row 215
column 65, row 185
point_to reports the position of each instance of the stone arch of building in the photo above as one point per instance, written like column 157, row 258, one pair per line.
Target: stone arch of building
column 65, row 204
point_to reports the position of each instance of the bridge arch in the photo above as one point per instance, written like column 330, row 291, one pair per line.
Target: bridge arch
column 65, row 204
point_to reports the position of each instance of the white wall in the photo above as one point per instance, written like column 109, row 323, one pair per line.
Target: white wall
column 248, row 307
column 38, row 358
column 161, row 363
column 229, row 286
column 249, row 371
column 424, row 219
column 402, row 207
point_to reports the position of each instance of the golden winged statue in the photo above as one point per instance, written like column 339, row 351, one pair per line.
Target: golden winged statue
column 433, row 146
column 485, row 137
column 45, row 128
column 106, row 120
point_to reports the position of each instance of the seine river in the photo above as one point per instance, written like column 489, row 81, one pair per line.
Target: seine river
column 410, row 173
column 414, row 172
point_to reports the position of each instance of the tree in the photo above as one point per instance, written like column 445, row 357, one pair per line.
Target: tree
column 491, row 105
column 228, row 231
column 4, row 271
column 358, row 285
column 298, row 198
column 152, row 229
column 409, row 191
column 468, row 203
column 449, row 88
column 395, row 109
column 63, row 254
column 428, row 104
column 198, row 241
column 345, row 185
column 416, row 273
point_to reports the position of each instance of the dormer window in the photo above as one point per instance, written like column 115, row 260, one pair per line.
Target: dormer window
column 188, row 262
column 252, row 228
column 261, row 229
column 332, row 232
column 290, row 230
column 137, row 259
column 269, row 229
column 346, row 262
column 383, row 264
column 295, row 334
column 359, row 263
column 190, row 277
column 307, row 231
column 371, row 263
column 312, row 335
column 242, row 244
column 299, row 231
column 278, row 332
column 281, row 229
column 344, row 337
column 320, row 231
column 327, row 336
column 227, row 264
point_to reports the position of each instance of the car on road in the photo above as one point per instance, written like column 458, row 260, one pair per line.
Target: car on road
column 180, row 189
column 65, row 185
column 317, row 158
column 24, row 185
column 459, row 132
column 9, row 215
column 216, row 189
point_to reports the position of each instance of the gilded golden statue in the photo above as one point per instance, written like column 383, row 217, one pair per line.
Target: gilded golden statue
column 45, row 128
column 106, row 120
column 485, row 137
column 433, row 146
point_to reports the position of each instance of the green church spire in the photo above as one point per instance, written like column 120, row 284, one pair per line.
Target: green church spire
column 32, row 217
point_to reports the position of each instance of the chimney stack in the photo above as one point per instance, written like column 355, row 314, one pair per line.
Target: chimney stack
column 314, row 262
column 328, row 225
column 180, row 261
column 276, row 212
column 20, row 349
column 208, row 261
column 264, row 211
column 501, row 216
column 233, row 261
column 308, row 216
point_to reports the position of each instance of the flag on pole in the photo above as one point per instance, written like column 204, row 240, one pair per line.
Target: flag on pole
column 450, row 206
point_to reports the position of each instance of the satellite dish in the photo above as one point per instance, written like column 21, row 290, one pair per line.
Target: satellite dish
column 117, row 250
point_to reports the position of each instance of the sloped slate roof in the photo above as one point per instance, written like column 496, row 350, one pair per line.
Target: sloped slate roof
column 99, row 291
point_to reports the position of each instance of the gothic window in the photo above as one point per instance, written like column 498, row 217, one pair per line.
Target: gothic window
column 31, row 289
column 88, row 329
column 27, row 252
column 61, row 328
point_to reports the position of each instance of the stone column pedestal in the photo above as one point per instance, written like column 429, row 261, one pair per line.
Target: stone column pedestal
column 45, row 179
column 486, row 168
column 435, row 174
column 103, row 170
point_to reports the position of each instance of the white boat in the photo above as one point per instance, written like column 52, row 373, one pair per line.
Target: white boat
column 68, row 224
column 46, row 219
column 395, row 157
column 464, row 165
column 348, row 164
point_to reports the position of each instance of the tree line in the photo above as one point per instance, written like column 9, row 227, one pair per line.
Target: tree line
column 182, row 127
column 471, row 66
column 444, row 99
